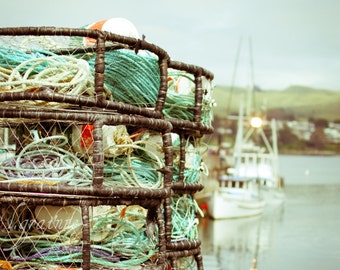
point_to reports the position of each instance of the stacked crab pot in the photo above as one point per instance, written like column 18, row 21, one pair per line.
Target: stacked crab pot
column 101, row 150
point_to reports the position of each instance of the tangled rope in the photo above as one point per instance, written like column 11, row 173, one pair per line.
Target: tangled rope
column 129, row 77
column 21, row 71
column 125, row 239
column 44, row 160
column 140, row 170
column 184, row 220
column 125, row 242
column 47, row 161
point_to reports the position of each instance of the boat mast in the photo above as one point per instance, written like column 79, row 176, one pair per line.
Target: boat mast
column 239, row 136
column 251, row 86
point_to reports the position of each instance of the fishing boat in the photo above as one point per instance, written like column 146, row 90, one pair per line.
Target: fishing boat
column 255, row 156
column 254, row 159
column 250, row 180
column 238, row 193
column 235, row 198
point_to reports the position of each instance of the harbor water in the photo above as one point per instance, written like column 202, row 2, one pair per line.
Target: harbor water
column 301, row 234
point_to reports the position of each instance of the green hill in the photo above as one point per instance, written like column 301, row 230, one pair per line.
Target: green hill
column 295, row 102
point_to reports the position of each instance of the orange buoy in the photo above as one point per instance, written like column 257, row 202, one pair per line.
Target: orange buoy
column 5, row 265
column 119, row 26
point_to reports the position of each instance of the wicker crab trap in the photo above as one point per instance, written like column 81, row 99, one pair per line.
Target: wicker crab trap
column 100, row 151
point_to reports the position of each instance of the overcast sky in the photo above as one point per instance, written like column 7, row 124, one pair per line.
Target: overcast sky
column 294, row 42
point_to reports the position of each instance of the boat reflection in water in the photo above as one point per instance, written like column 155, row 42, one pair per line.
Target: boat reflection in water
column 239, row 244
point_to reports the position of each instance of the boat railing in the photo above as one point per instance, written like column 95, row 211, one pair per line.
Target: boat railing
column 261, row 166
column 229, row 181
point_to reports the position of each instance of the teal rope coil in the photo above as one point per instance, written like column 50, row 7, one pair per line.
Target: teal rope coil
column 191, row 174
column 180, row 99
column 194, row 165
column 179, row 106
column 132, row 78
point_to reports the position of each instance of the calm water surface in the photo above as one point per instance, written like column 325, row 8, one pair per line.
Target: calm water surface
column 301, row 234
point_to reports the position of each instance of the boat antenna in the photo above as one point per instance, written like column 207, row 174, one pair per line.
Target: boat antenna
column 233, row 78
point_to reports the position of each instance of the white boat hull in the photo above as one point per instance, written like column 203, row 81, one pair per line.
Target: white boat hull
column 222, row 205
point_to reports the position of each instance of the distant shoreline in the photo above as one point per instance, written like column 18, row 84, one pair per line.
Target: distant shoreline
column 308, row 152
